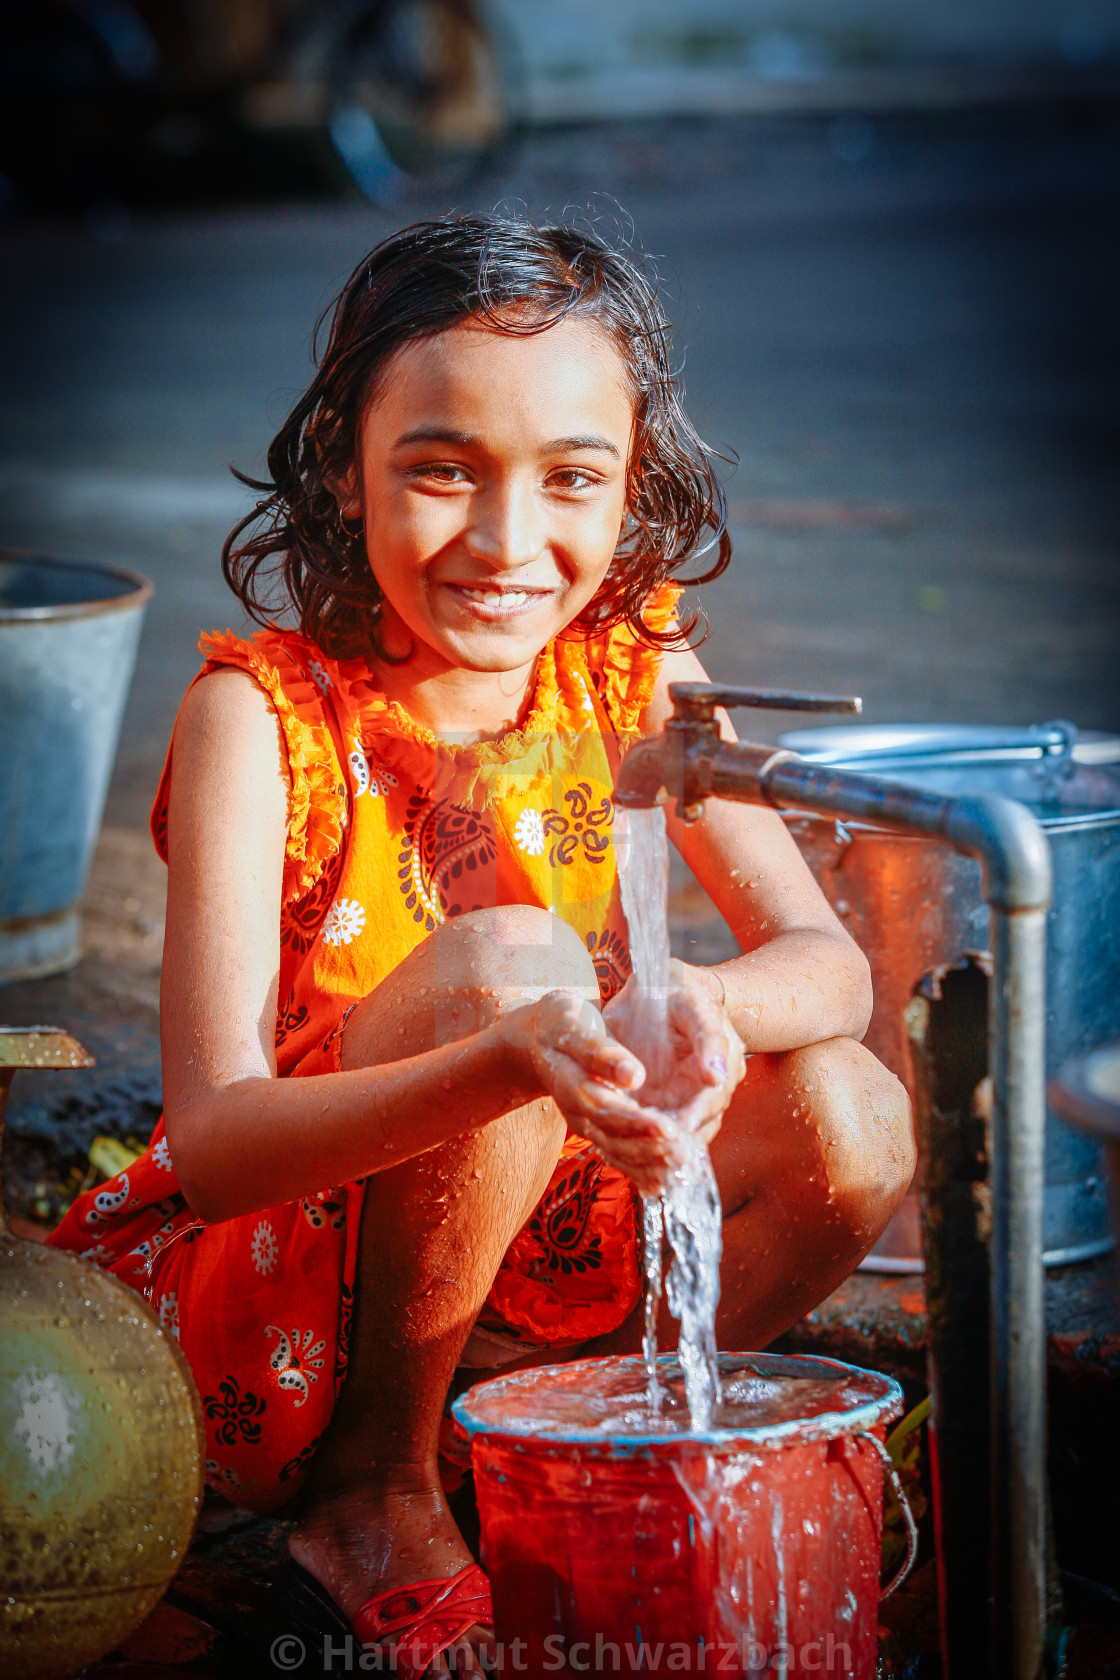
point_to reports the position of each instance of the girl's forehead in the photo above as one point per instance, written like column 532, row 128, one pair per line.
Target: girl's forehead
column 573, row 362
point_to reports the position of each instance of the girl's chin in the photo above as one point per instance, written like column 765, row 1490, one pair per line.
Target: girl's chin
column 491, row 650
column 500, row 643
column 464, row 614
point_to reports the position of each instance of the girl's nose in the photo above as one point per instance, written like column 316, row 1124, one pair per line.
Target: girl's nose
column 505, row 529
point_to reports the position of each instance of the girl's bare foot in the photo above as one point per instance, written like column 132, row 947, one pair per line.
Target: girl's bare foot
column 366, row 1540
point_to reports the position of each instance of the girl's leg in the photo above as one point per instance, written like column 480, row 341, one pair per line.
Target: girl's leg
column 433, row 1235
column 813, row 1157
column 815, row 1153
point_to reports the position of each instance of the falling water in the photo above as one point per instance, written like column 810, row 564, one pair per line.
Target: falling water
column 694, row 1226
column 689, row 1208
column 653, row 1225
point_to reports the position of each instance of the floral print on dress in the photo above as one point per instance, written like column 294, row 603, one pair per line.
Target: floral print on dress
column 610, row 956
column 146, row 1250
column 296, row 1465
column 301, row 921
column 345, row 920
column 289, row 1019
column 235, row 1413
column 369, row 776
column 297, row 1362
column 264, row 1250
column 223, row 1479
column 161, row 1156
column 320, row 676
column 560, row 1222
column 529, row 832
column 584, row 830
column 111, row 1202
column 326, row 1211
column 446, row 866
column 169, row 1313
column 439, row 835
column 345, row 1321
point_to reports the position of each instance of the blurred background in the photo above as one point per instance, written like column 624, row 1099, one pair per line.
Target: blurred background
column 890, row 241
column 889, row 235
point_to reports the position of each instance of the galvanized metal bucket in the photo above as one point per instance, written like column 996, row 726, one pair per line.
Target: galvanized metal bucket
column 68, row 639
column 1086, row 1092
column 917, row 909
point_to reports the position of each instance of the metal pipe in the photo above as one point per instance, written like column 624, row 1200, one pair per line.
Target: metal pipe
column 690, row 762
column 1016, row 1165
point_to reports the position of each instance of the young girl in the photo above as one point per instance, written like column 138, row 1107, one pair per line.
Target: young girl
column 402, row 1142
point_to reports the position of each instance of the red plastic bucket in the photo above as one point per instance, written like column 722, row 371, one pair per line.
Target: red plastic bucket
column 614, row 1548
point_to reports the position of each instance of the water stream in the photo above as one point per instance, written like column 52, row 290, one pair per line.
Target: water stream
column 688, row 1211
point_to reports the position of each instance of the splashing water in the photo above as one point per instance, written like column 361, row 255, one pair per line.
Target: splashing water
column 689, row 1208
column 694, row 1226
column 652, row 1227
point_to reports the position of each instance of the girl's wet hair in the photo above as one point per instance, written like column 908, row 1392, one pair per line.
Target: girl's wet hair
column 294, row 549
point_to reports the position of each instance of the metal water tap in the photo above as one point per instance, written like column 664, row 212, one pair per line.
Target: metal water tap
column 689, row 761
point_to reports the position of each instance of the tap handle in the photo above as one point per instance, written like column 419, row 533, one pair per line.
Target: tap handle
column 696, row 702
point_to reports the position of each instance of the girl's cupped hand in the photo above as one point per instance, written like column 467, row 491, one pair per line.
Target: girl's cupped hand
column 693, row 1056
column 604, row 1090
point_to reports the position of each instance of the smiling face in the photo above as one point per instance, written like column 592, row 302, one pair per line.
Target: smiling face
column 491, row 479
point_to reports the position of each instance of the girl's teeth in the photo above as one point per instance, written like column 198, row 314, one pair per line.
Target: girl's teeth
column 498, row 597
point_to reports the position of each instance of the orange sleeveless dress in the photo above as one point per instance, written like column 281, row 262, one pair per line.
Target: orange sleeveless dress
column 390, row 833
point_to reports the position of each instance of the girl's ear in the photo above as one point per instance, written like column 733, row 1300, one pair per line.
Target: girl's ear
column 346, row 495
column 343, row 487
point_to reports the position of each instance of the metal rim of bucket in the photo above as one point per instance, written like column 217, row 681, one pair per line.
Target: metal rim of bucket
column 1076, row 1097
column 886, row 747
column 137, row 595
column 1060, row 820
column 860, row 1420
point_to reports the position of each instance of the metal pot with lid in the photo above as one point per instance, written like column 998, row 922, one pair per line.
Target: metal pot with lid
column 917, row 909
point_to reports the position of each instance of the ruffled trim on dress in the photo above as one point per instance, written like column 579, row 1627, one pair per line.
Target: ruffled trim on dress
column 479, row 775
column 631, row 668
column 317, row 797
column 483, row 774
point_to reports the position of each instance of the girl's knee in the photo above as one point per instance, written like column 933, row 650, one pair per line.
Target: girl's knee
column 518, row 949
column 862, row 1118
column 464, row 976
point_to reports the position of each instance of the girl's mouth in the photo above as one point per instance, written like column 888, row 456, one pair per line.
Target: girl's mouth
column 485, row 602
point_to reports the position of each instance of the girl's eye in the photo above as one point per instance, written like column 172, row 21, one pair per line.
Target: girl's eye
column 444, row 472
column 573, row 478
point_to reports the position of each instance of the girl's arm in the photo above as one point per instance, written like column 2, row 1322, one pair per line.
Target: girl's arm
column 802, row 977
column 240, row 1137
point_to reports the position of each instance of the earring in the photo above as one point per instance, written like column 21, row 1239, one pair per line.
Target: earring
column 340, row 521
